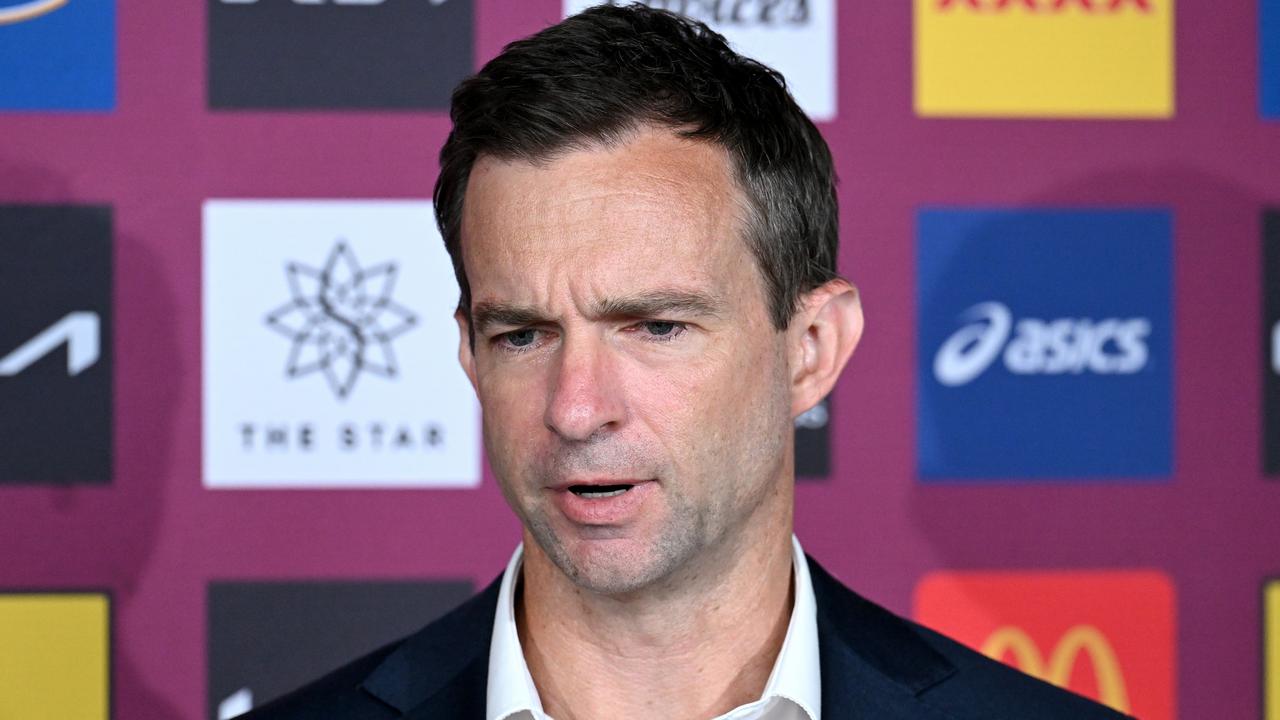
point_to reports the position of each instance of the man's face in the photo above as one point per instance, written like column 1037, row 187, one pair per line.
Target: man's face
column 635, row 394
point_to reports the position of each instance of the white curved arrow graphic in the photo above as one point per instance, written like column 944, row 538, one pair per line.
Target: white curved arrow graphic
column 28, row 10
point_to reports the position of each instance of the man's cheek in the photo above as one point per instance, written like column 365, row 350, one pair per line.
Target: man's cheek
column 510, row 399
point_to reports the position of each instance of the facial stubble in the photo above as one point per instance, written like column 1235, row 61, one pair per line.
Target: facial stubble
column 747, row 456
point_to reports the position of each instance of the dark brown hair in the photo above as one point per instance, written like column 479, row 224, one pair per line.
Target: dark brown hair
column 599, row 75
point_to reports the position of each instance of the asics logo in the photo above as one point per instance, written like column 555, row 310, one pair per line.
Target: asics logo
column 1032, row 346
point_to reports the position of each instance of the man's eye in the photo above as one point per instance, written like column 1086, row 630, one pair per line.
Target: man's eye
column 661, row 329
column 520, row 338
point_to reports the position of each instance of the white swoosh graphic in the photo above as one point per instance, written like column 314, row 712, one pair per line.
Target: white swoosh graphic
column 29, row 10
column 974, row 347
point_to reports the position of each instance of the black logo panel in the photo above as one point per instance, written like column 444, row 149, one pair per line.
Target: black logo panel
column 269, row 638
column 318, row 54
column 813, row 442
column 55, row 344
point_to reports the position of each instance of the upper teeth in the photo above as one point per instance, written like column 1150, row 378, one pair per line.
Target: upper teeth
column 602, row 493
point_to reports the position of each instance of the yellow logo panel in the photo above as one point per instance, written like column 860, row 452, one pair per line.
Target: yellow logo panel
column 1044, row 58
column 1271, row 648
column 54, row 656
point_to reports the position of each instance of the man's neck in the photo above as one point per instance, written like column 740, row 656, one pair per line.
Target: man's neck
column 683, row 654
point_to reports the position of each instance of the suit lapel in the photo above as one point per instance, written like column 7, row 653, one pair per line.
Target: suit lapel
column 873, row 664
column 445, row 665
column 462, row 698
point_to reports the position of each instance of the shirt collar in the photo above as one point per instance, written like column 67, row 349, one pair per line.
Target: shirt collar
column 795, row 677
column 511, row 689
column 796, row 674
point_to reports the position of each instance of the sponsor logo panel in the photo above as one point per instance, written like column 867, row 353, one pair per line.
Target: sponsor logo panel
column 57, row 54
column 813, row 442
column 55, row 658
column 317, row 54
column 1044, row 58
column 1271, row 342
column 1108, row 635
column 330, row 355
column 55, row 344
column 795, row 37
column 1045, row 343
column 317, row 626
column 1269, row 51
column 1271, row 649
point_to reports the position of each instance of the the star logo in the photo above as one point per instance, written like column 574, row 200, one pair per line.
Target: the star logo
column 341, row 320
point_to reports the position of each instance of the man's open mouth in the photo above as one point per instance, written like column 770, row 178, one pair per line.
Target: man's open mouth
column 595, row 492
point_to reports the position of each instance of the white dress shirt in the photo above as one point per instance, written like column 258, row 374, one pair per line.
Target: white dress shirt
column 793, row 692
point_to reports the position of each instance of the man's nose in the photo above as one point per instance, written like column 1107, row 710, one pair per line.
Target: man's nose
column 586, row 397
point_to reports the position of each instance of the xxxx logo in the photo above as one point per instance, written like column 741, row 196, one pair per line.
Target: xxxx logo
column 1271, row 649
column 56, row 654
column 1049, row 5
column 1044, row 58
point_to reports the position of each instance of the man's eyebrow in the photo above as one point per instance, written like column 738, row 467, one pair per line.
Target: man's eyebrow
column 652, row 304
column 486, row 314
column 658, row 303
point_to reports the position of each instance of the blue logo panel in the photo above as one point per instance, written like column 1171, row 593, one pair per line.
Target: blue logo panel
column 1269, row 49
column 1045, row 344
column 57, row 54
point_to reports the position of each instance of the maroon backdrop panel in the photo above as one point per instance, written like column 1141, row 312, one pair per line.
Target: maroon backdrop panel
column 157, row 538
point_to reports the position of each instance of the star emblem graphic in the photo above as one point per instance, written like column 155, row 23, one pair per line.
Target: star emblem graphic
column 341, row 320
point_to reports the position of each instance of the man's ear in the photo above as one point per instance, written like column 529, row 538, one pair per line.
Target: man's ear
column 822, row 336
column 466, row 351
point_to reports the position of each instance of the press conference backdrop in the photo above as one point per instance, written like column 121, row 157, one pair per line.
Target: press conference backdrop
column 1059, row 441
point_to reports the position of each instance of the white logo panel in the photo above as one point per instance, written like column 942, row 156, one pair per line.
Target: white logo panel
column 330, row 349
column 795, row 37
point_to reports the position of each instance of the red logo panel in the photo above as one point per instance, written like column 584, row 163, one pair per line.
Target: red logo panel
column 1105, row 635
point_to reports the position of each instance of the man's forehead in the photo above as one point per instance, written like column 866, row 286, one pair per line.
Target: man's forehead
column 651, row 187
column 647, row 161
column 658, row 213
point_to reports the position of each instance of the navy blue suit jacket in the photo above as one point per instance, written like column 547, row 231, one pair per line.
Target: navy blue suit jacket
column 875, row 665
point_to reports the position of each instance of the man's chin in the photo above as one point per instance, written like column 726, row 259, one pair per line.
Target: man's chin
column 608, row 561
column 615, row 558
column 611, row 578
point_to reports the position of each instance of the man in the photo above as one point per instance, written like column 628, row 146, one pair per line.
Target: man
column 643, row 226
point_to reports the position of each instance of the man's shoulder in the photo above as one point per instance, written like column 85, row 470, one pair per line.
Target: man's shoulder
column 447, row 660
column 943, row 675
column 338, row 694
